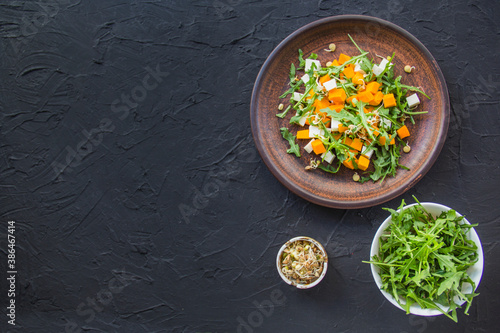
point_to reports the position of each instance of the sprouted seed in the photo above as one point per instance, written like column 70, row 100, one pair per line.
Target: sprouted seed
column 302, row 262
column 409, row 68
column 331, row 48
column 313, row 164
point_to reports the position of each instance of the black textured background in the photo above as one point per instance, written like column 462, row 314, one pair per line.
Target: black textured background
column 159, row 216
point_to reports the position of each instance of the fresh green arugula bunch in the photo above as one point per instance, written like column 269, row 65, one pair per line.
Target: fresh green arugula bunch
column 424, row 259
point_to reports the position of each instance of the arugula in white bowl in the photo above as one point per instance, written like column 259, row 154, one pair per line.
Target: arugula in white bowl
column 427, row 259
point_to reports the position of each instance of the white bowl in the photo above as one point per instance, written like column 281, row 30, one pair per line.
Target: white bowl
column 475, row 272
column 293, row 283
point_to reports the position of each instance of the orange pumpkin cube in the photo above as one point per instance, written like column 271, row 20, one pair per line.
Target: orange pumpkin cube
column 356, row 144
column 363, row 163
column 318, row 147
column 373, row 87
column 365, row 96
column 337, row 96
column 348, row 71
column 347, row 141
column 358, row 78
column 403, row 132
column 324, row 78
column 343, row 58
column 303, row 134
column 377, row 98
column 389, row 101
column 321, row 104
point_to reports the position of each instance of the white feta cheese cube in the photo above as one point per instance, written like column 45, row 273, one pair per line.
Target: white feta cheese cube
column 309, row 147
column 329, row 85
column 335, row 125
column 302, row 121
column 309, row 63
column 383, row 63
column 329, row 156
column 377, row 70
column 315, row 131
column 387, row 123
column 305, row 78
column 369, row 153
column 413, row 100
column 297, row 96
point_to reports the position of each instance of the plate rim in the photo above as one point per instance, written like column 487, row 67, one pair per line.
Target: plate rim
column 349, row 204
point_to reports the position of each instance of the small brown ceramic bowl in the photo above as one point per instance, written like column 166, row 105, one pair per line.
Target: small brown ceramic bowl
column 379, row 37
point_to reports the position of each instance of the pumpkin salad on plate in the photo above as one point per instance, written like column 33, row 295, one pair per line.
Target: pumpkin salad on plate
column 352, row 112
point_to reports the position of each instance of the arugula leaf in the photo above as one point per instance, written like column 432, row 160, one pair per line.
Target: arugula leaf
column 302, row 62
column 313, row 56
column 445, row 262
column 342, row 115
column 452, row 281
column 329, row 168
column 292, row 72
column 294, row 148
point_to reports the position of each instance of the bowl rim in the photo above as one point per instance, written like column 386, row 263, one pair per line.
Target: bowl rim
column 299, row 285
column 318, row 199
column 477, row 268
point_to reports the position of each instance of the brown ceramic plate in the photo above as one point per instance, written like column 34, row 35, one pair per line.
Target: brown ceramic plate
column 378, row 37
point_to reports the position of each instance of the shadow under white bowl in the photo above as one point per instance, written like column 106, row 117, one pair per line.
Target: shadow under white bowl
column 325, row 264
column 475, row 272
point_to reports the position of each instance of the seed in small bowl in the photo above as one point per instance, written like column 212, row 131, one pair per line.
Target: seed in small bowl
column 302, row 262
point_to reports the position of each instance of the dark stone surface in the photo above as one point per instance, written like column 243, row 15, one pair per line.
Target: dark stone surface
column 157, row 214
